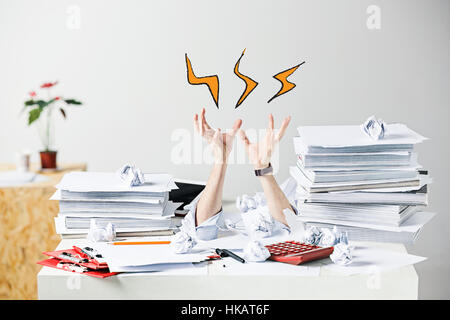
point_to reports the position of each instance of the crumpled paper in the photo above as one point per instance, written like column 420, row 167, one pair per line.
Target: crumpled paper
column 374, row 127
column 329, row 237
column 342, row 254
column 312, row 236
column 97, row 233
column 131, row 175
column 325, row 237
column 185, row 239
column 246, row 202
column 256, row 252
column 258, row 223
column 232, row 225
column 182, row 242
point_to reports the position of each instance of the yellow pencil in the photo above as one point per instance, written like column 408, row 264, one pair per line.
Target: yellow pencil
column 139, row 242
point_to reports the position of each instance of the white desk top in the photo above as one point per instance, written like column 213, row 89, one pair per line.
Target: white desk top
column 216, row 282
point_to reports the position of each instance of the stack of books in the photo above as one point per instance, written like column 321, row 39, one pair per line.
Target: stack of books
column 133, row 210
column 373, row 189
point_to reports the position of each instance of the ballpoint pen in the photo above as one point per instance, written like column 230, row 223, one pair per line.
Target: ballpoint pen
column 228, row 253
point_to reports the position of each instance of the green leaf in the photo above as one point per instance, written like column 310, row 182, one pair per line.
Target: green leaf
column 30, row 102
column 73, row 101
column 42, row 104
column 34, row 115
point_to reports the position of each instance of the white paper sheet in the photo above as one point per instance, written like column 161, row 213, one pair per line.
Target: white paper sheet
column 353, row 135
column 164, row 269
column 370, row 260
column 230, row 266
column 110, row 182
column 131, row 198
column 143, row 255
column 412, row 224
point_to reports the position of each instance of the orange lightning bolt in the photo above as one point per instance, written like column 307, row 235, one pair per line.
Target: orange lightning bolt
column 250, row 84
column 286, row 86
column 211, row 81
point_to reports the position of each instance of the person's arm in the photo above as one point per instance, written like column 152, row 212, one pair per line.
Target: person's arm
column 210, row 202
column 259, row 155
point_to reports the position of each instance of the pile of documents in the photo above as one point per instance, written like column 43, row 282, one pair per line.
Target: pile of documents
column 373, row 189
column 133, row 210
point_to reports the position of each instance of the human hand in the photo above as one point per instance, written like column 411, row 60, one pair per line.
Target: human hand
column 260, row 152
column 221, row 143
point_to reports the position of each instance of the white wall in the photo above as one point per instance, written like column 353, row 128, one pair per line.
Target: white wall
column 126, row 62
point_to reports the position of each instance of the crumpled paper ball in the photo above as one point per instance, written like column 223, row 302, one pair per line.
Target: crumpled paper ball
column 97, row 233
column 343, row 238
column 185, row 239
column 342, row 254
column 233, row 225
column 312, row 236
column 374, row 127
column 256, row 252
column 329, row 237
column 182, row 242
column 258, row 223
column 245, row 202
column 131, row 175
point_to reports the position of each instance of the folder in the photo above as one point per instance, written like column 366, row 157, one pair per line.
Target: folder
column 100, row 273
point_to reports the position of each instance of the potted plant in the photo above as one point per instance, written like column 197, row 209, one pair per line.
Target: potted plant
column 42, row 110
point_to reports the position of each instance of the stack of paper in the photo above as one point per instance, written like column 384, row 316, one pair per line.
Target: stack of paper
column 134, row 210
column 368, row 187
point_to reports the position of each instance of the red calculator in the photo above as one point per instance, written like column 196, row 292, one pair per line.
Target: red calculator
column 294, row 252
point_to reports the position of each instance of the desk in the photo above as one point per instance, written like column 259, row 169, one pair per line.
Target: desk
column 27, row 228
column 401, row 283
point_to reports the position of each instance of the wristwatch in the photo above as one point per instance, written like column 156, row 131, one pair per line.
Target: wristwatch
column 264, row 171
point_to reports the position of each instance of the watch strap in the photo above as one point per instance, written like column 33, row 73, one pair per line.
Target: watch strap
column 264, row 171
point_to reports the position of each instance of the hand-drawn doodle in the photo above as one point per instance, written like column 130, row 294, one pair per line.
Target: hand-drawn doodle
column 250, row 84
column 211, row 81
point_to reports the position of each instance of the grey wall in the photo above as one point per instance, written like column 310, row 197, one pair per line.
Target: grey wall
column 126, row 62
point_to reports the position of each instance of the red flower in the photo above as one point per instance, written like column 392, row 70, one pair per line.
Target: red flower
column 57, row 98
column 49, row 84
column 33, row 94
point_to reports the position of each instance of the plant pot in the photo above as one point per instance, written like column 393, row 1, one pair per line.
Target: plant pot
column 48, row 159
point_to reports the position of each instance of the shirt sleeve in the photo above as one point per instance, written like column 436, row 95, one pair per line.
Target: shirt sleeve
column 208, row 229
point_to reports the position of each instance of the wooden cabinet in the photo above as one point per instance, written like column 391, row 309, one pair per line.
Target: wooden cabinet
column 26, row 229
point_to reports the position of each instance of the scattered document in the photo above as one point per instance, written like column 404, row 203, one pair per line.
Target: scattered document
column 118, row 257
column 370, row 260
column 230, row 266
column 165, row 269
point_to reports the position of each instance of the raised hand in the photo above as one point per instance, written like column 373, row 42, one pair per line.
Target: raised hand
column 260, row 152
column 221, row 143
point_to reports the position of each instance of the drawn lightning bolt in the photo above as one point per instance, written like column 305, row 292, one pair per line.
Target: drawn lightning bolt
column 211, row 81
column 286, row 86
column 250, row 84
